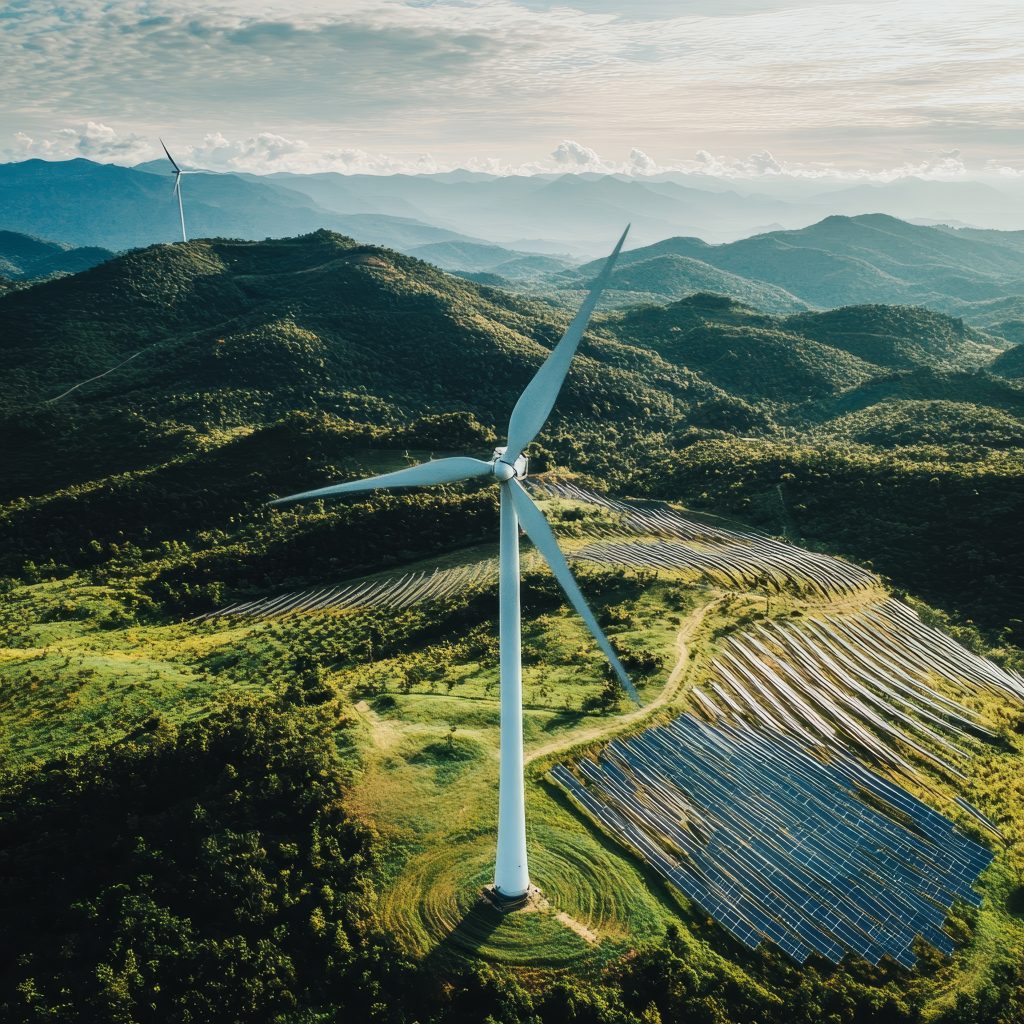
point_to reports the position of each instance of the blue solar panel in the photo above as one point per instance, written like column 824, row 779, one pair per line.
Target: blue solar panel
column 775, row 843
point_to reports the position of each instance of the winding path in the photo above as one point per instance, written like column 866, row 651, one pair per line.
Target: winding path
column 668, row 694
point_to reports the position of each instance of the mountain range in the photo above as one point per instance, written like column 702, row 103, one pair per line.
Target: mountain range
column 452, row 221
column 838, row 261
column 83, row 203
column 584, row 210
column 160, row 347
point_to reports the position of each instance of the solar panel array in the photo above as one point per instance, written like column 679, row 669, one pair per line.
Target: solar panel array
column 820, row 856
column 866, row 682
column 724, row 556
column 390, row 592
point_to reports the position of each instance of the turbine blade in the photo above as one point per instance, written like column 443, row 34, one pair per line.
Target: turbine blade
column 177, row 184
column 535, row 403
column 439, row 471
column 537, row 529
column 169, row 157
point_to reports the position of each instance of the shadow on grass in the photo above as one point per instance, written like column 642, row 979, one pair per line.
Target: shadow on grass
column 564, row 720
column 1015, row 901
column 466, row 939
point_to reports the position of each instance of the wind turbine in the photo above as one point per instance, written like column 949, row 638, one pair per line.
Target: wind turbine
column 508, row 467
column 178, row 172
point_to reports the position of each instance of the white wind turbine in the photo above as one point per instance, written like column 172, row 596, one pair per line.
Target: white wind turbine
column 178, row 172
column 508, row 467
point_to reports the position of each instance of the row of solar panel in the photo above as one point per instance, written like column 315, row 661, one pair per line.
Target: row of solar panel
column 391, row 592
column 862, row 682
column 738, row 557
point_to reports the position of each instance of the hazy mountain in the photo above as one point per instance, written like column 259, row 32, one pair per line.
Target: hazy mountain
column 23, row 257
column 88, row 204
column 575, row 210
column 969, row 202
column 589, row 209
column 866, row 259
column 476, row 257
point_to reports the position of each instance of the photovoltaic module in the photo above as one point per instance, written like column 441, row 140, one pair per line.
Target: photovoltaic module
column 774, row 842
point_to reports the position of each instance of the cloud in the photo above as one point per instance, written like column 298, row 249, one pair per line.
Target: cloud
column 267, row 152
column 573, row 156
column 871, row 84
column 93, row 140
column 640, row 162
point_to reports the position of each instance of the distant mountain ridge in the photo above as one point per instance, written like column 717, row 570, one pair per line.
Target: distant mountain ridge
column 586, row 209
column 843, row 261
column 83, row 203
column 574, row 213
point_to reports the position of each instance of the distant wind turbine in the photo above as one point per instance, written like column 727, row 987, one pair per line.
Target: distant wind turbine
column 178, row 172
column 508, row 468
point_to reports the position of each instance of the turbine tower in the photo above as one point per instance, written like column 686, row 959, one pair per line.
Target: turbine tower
column 508, row 467
column 176, row 191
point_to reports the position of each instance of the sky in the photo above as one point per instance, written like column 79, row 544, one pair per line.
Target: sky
column 877, row 89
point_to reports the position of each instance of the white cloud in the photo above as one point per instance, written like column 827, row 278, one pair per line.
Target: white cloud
column 640, row 162
column 92, row 140
column 266, row 152
column 837, row 87
column 575, row 157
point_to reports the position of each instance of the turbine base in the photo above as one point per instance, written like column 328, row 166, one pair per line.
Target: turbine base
column 532, row 899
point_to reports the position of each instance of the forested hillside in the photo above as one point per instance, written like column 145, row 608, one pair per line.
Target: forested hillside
column 215, row 340
column 24, row 257
column 287, row 818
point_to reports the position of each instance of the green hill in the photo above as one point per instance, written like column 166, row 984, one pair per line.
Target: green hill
column 900, row 423
column 207, row 342
column 233, row 333
column 804, row 356
column 24, row 257
column 1010, row 363
column 900, row 337
column 747, row 355
column 668, row 275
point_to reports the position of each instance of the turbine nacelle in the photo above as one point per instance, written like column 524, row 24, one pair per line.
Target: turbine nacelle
column 505, row 471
